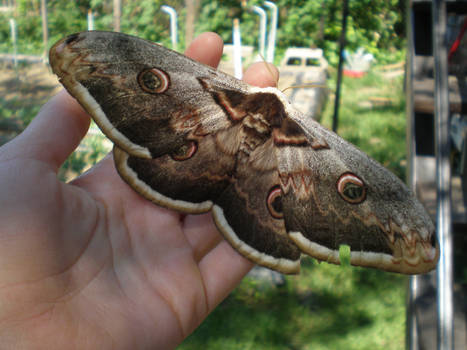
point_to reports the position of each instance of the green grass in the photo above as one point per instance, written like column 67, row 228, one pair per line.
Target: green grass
column 327, row 306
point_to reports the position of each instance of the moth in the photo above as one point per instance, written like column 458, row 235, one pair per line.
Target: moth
column 193, row 139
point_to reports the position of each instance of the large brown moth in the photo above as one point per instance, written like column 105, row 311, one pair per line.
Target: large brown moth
column 194, row 139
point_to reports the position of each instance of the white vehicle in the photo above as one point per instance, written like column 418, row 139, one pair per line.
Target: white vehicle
column 302, row 67
column 303, row 57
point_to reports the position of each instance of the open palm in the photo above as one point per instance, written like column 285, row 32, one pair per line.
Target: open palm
column 91, row 264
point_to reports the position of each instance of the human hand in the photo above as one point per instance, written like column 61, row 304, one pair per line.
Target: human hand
column 91, row 264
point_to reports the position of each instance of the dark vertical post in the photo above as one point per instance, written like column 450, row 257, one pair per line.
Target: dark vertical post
column 117, row 14
column 192, row 8
column 45, row 30
column 345, row 14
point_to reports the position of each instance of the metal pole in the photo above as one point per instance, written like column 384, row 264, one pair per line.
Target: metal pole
column 173, row 24
column 443, row 178
column 237, row 49
column 272, row 31
column 13, row 39
column 412, row 341
column 262, row 28
column 411, row 319
column 345, row 13
column 90, row 20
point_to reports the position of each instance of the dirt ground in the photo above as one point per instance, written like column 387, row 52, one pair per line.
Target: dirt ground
column 31, row 82
column 22, row 93
column 23, row 89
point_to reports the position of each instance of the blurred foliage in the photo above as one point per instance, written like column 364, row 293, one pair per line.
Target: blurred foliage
column 377, row 26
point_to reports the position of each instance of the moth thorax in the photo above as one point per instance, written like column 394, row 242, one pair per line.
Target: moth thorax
column 258, row 123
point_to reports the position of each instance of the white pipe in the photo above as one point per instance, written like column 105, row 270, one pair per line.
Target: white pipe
column 237, row 49
column 262, row 28
column 13, row 39
column 90, row 20
column 272, row 31
column 173, row 24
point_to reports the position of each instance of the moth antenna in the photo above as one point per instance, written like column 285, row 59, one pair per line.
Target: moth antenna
column 310, row 85
column 267, row 66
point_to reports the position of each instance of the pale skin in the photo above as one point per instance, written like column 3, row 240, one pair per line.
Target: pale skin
column 90, row 264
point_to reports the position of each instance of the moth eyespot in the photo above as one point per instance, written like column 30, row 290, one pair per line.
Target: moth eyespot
column 351, row 188
column 274, row 202
column 185, row 152
column 153, row 80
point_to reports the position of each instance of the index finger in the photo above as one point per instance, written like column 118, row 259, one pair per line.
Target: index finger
column 206, row 48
